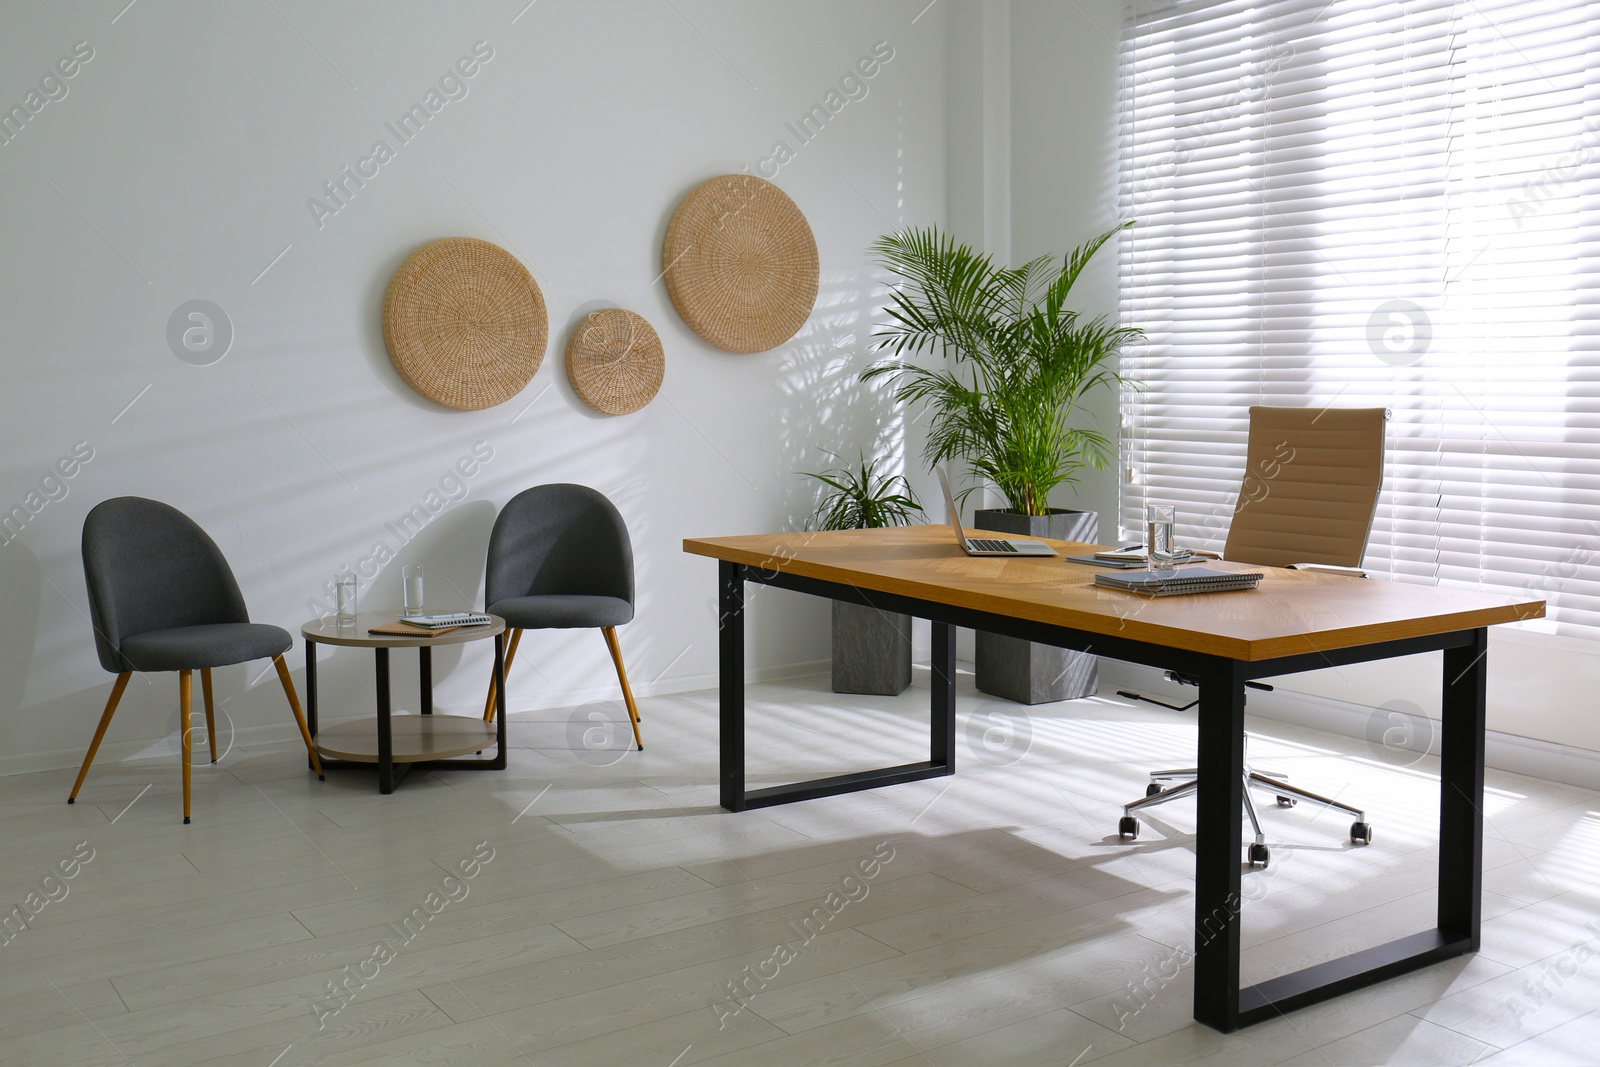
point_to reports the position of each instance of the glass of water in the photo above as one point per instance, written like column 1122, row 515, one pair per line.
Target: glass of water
column 411, row 582
column 1160, row 552
column 344, row 599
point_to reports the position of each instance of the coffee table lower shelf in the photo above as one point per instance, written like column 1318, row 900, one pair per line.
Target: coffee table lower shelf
column 415, row 738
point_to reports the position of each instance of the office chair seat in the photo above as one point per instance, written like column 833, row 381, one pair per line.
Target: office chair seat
column 191, row 648
column 555, row 611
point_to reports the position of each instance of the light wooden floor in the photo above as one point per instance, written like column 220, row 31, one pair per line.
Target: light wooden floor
column 1010, row 925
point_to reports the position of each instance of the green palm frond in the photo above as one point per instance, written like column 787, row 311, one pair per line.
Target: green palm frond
column 1017, row 363
column 863, row 499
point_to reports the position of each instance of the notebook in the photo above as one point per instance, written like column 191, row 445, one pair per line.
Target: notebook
column 451, row 619
column 405, row 629
column 1193, row 580
column 430, row 625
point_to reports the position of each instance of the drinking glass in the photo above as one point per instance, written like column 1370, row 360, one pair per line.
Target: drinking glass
column 411, row 583
column 1159, row 549
column 344, row 598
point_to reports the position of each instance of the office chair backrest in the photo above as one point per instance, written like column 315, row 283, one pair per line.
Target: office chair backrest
column 559, row 539
column 148, row 566
column 1310, row 487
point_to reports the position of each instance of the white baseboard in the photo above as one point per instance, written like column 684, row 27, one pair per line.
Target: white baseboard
column 1507, row 752
column 278, row 733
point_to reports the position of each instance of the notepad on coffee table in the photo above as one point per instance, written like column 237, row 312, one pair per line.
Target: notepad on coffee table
column 1180, row 583
column 430, row 625
column 448, row 618
column 405, row 629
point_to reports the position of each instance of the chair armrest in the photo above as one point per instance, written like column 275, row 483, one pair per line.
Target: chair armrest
column 1328, row 568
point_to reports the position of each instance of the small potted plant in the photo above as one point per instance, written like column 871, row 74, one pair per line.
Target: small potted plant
column 1015, row 366
column 871, row 648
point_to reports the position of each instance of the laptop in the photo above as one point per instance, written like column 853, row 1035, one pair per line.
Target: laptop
column 987, row 546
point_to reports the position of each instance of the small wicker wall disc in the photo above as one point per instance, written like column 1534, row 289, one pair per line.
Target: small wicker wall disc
column 741, row 264
column 615, row 362
column 465, row 323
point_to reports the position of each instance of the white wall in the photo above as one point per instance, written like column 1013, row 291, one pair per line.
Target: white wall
column 1064, row 174
column 179, row 166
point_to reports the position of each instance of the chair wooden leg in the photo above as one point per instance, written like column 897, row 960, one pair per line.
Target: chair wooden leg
column 511, row 654
column 622, row 676
column 299, row 716
column 185, row 729
column 211, row 718
column 100, row 732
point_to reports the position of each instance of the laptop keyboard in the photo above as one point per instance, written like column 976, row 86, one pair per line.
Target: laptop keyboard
column 990, row 544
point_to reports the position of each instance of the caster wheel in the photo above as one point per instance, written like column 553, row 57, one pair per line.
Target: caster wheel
column 1259, row 856
column 1128, row 828
column 1287, row 802
column 1152, row 789
column 1360, row 833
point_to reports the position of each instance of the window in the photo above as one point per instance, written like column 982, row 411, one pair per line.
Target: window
column 1365, row 203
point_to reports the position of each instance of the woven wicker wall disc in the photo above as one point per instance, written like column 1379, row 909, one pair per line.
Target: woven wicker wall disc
column 741, row 264
column 465, row 323
column 615, row 362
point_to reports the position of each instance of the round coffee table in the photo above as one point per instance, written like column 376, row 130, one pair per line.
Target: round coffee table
column 398, row 743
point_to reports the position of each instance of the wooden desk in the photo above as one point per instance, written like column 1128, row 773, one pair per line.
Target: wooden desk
column 397, row 745
column 1294, row 621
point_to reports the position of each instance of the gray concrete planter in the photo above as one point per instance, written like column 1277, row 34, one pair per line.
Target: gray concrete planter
column 1019, row 670
column 871, row 650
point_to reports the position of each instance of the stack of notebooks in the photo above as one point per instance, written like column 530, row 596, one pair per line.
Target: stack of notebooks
column 1179, row 583
column 430, row 625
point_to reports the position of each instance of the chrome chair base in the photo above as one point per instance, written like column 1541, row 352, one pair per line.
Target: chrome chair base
column 1180, row 782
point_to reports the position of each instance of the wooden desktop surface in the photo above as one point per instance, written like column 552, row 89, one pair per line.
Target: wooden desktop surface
column 1289, row 613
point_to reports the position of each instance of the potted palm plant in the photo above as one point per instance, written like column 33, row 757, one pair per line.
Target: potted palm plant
column 1015, row 366
column 871, row 648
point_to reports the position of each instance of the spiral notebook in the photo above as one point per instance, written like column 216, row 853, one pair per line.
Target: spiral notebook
column 1193, row 580
column 406, row 629
column 430, row 625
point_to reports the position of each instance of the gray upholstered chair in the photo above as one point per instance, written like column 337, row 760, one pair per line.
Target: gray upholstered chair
column 162, row 598
column 560, row 558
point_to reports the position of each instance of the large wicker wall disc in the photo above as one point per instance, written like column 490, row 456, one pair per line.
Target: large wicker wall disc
column 741, row 264
column 615, row 362
column 465, row 323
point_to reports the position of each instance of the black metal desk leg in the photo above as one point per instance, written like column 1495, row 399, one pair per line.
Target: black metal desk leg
column 1461, row 790
column 730, row 681
column 311, row 695
column 500, row 700
column 942, row 735
column 1219, row 800
column 385, row 737
column 425, row 673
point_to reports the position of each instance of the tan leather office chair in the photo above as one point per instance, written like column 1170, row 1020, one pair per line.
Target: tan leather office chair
column 1309, row 493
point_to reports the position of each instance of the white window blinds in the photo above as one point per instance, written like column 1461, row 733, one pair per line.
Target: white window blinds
column 1374, row 203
